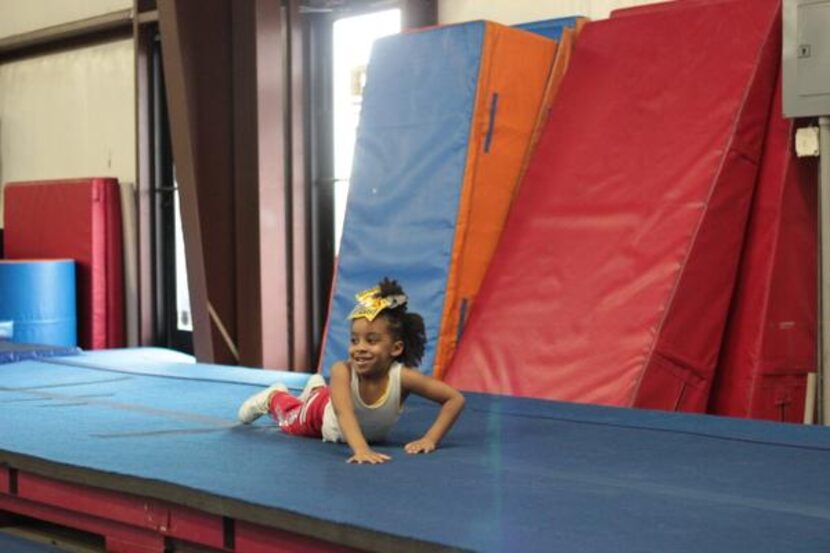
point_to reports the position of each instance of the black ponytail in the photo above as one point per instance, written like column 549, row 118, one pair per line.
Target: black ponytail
column 407, row 327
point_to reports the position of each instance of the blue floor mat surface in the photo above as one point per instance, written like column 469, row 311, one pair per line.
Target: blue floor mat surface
column 11, row 352
column 15, row 544
column 514, row 475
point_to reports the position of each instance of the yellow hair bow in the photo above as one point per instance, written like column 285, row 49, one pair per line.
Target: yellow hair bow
column 370, row 304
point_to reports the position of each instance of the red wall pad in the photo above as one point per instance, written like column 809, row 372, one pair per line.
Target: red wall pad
column 78, row 219
column 770, row 341
column 614, row 274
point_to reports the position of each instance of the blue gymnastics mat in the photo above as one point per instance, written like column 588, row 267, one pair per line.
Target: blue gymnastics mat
column 514, row 475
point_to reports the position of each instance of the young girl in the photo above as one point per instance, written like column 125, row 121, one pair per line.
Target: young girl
column 367, row 392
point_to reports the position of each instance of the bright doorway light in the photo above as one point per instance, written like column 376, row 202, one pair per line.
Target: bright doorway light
column 184, row 320
column 352, row 44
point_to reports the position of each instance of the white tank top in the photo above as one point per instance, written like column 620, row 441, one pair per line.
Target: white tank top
column 375, row 420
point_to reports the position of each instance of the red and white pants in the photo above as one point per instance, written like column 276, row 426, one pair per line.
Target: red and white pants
column 298, row 418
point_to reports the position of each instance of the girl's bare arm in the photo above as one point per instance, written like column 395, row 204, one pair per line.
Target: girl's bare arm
column 451, row 400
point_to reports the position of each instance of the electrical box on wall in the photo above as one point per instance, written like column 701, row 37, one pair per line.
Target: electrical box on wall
column 806, row 58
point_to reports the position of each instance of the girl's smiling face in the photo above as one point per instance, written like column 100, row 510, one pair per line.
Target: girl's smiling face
column 372, row 348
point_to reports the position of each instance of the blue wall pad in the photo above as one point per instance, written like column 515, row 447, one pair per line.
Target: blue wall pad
column 39, row 296
column 404, row 192
column 11, row 352
column 550, row 28
column 514, row 474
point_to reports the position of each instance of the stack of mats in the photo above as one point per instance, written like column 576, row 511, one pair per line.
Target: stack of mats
column 614, row 275
column 446, row 122
column 769, row 345
column 78, row 219
column 564, row 31
column 770, row 342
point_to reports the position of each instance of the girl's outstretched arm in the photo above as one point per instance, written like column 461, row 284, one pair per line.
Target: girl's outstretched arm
column 451, row 400
column 341, row 399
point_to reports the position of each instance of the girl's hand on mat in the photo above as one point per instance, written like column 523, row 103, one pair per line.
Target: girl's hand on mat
column 368, row 456
column 423, row 445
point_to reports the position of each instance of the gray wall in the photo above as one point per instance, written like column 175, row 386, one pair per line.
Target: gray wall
column 69, row 114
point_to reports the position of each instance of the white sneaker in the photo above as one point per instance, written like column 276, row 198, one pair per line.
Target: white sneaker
column 257, row 405
column 315, row 381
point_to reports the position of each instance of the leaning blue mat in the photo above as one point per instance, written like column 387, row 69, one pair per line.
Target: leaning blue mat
column 404, row 194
